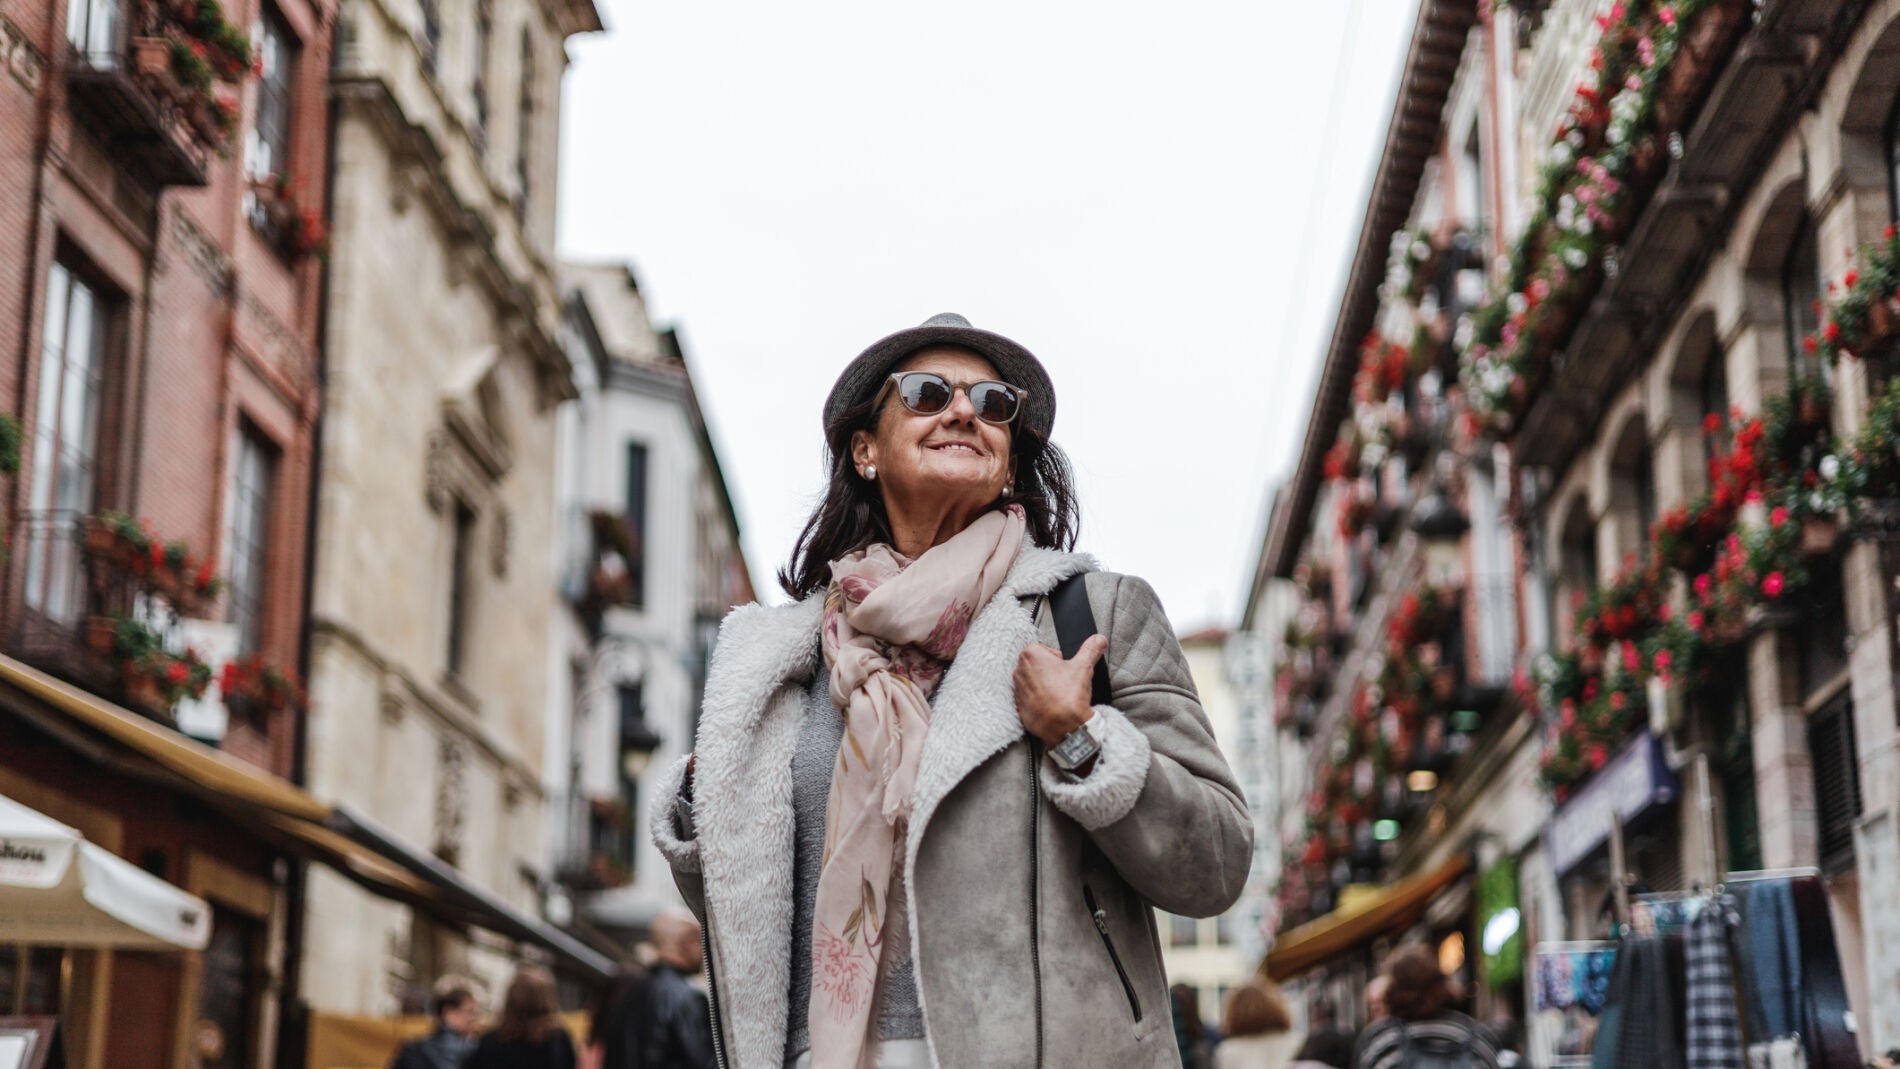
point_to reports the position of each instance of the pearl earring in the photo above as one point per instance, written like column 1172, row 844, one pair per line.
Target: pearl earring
column 870, row 473
column 1007, row 493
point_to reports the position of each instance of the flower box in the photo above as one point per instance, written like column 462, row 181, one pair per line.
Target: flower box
column 145, row 694
column 102, row 634
column 152, row 56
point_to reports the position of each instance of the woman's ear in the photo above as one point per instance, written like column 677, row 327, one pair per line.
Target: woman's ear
column 863, row 450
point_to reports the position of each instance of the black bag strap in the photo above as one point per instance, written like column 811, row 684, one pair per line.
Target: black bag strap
column 1075, row 622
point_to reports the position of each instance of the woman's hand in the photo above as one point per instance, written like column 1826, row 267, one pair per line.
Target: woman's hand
column 1052, row 694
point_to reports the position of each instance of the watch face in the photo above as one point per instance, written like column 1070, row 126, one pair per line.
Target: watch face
column 1077, row 747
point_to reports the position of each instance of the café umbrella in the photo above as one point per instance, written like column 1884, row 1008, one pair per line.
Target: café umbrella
column 57, row 888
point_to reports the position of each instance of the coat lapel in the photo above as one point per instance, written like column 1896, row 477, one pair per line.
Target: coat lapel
column 743, row 784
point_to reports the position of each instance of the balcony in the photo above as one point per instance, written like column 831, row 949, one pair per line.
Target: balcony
column 151, row 83
column 103, row 611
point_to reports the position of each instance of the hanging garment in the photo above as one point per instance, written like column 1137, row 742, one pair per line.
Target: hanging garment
column 1641, row 1026
column 1828, row 1024
column 1773, row 970
column 1712, row 1031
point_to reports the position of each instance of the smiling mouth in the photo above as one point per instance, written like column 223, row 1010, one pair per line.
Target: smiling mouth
column 956, row 447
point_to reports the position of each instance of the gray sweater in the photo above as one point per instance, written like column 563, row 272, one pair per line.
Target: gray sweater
column 898, row 1014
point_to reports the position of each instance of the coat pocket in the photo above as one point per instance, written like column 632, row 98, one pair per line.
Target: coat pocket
column 1100, row 917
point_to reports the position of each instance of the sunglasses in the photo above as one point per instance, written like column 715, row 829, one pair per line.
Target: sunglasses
column 927, row 393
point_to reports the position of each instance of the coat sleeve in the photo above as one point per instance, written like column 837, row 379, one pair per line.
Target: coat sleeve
column 1160, row 802
column 671, row 825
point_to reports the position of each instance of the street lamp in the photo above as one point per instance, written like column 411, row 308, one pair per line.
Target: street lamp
column 1441, row 525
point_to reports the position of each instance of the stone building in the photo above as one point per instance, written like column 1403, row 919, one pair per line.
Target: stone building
column 1564, row 373
column 649, row 563
column 434, row 587
column 159, row 318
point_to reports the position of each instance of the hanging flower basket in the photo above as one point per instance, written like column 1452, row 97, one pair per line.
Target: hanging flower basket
column 144, row 693
column 1818, row 536
column 1883, row 324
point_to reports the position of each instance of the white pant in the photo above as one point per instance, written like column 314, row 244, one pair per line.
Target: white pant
column 892, row 1054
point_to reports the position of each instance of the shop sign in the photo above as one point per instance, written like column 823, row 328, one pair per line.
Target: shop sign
column 33, row 862
column 1635, row 779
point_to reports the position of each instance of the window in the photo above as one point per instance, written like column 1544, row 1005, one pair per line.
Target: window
column 484, row 29
column 30, row 979
column 247, row 536
column 431, row 34
column 1800, row 293
column 1712, row 397
column 461, row 560
column 637, row 520
column 65, row 439
column 1836, row 781
column 1734, row 755
column 524, row 129
column 1224, row 926
column 1893, row 161
column 268, row 142
column 92, row 27
column 1470, row 189
column 1182, row 931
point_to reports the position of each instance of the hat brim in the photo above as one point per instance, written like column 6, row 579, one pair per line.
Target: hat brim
column 1015, row 364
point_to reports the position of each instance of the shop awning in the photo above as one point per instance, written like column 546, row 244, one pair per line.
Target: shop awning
column 278, row 811
column 57, row 888
column 1360, row 920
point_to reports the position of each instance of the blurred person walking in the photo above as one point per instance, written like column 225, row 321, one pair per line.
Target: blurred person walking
column 1421, row 1030
column 457, row 1012
column 1257, row 1028
column 661, row 1020
column 529, row 1034
column 1327, row 1048
column 865, row 753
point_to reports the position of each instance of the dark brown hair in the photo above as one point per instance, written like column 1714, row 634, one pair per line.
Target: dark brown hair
column 851, row 515
column 451, row 993
column 530, row 1011
column 1255, row 1008
column 1417, row 990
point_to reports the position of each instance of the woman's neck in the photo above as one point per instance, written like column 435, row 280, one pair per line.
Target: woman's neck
column 914, row 533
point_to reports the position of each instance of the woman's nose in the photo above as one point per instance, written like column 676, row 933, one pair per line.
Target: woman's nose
column 961, row 409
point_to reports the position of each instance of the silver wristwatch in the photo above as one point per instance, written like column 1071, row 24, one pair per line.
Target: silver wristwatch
column 1078, row 746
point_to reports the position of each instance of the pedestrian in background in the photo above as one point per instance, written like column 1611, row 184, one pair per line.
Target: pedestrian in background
column 1190, row 1032
column 1258, row 1029
column 457, row 1012
column 529, row 1033
column 915, row 831
column 1327, row 1048
column 1421, row 1030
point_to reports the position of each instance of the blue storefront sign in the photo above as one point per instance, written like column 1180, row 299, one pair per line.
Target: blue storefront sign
column 1633, row 781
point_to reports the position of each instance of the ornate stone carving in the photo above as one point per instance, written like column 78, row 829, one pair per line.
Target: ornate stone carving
column 437, row 479
column 451, row 799
column 21, row 59
column 501, row 541
column 204, row 257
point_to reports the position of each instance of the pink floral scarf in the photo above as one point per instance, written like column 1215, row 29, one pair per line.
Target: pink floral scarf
column 891, row 627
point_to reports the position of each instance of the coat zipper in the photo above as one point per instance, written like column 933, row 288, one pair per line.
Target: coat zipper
column 1101, row 925
column 712, row 993
column 1035, row 884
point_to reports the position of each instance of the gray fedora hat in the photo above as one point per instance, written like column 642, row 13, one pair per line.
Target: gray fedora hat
column 864, row 376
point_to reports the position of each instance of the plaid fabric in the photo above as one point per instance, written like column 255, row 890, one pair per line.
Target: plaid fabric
column 1712, row 1029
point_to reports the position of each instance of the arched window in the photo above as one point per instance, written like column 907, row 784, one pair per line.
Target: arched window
column 1893, row 161
column 1712, row 398
column 1800, row 293
column 1576, row 564
column 1633, row 487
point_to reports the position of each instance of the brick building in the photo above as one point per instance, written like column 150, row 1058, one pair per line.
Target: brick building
column 1590, row 542
column 159, row 314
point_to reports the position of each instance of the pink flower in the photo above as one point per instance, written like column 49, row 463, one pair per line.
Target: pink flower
column 1667, row 15
column 1702, row 583
column 1663, row 660
column 1695, row 620
column 1772, row 585
column 1779, row 516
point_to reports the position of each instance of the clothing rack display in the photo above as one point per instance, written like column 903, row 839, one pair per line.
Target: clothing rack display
column 1715, row 978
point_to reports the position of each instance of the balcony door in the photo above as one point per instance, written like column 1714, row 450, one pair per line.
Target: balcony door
column 65, row 441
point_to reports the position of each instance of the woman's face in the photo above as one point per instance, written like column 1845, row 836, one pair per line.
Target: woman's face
column 951, row 459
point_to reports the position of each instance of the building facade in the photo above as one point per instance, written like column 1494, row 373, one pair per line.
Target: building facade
column 160, row 308
column 434, row 592
column 1590, row 528
column 650, row 563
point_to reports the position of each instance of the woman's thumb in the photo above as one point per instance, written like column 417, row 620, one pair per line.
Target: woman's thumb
column 1091, row 650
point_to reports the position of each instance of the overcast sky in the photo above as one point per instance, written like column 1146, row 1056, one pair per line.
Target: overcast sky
column 1157, row 200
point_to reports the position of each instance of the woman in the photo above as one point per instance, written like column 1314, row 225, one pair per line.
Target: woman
column 1418, row 1002
column 909, row 834
column 529, row 1034
column 1258, row 1030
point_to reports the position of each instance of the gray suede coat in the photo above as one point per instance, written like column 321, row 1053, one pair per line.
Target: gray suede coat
column 1030, row 899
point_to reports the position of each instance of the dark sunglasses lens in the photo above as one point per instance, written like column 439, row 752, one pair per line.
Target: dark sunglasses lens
column 924, row 394
column 993, row 401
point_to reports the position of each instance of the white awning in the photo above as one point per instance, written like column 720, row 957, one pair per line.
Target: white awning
column 57, row 888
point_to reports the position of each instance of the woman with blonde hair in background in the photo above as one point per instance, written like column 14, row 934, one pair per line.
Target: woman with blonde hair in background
column 529, row 1033
column 1258, row 1029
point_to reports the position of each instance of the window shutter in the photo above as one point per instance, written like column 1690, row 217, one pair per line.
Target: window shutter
column 1836, row 782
